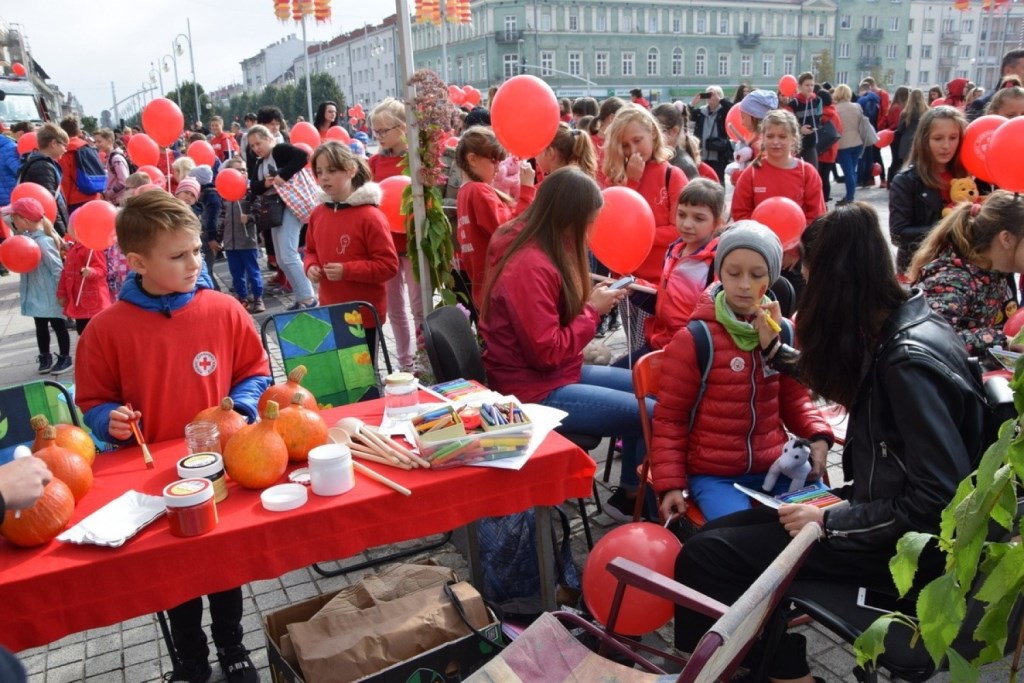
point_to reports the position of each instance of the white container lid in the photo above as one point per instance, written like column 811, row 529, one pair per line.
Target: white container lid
column 330, row 453
column 187, row 492
column 284, row 497
column 400, row 378
column 200, row 465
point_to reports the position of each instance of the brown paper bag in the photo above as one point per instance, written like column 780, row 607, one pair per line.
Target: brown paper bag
column 344, row 646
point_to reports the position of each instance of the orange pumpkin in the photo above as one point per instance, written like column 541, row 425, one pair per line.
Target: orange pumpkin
column 40, row 523
column 68, row 436
column 283, row 393
column 256, row 455
column 66, row 465
column 224, row 416
column 301, row 428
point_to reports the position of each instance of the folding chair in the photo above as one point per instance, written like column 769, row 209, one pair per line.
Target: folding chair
column 19, row 402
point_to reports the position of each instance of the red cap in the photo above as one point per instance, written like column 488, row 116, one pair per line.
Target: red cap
column 28, row 208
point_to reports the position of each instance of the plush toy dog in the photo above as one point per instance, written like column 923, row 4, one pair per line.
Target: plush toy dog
column 795, row 463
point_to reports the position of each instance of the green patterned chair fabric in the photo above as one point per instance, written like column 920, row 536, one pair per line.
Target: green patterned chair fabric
column 18, row 403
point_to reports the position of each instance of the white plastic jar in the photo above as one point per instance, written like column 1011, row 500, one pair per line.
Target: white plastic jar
column 330, row 470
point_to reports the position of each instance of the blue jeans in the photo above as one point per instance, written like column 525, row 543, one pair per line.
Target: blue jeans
column 286, row 249
column 717, row 497
column 603, row 404
column 847, row 160
column 245, row 273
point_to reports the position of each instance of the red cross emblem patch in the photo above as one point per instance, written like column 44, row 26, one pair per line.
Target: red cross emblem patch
column 204, row 363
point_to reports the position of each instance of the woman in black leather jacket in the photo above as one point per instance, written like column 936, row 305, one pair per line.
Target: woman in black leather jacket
column 915, row 429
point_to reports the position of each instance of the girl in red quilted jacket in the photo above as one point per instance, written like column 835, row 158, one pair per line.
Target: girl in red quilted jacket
column 735, row 430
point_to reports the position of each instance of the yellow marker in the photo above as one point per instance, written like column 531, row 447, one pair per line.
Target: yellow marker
column 771, row 323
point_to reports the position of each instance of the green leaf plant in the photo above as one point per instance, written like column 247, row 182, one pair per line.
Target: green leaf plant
column 987, row 495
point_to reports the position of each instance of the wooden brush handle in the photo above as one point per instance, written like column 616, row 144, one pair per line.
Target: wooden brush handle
column 381, row 478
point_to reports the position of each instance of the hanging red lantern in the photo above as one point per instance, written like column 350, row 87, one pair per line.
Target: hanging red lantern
column 282, row 9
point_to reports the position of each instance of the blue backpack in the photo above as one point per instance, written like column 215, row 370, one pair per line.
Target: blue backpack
column 90, row 177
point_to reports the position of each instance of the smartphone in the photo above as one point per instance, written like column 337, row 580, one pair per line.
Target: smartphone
column 272, row 173
column 622, row 282
column 885, row 603
column 704, row 96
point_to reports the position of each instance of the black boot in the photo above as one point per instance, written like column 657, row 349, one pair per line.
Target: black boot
column 236, row 665
column 45, row 363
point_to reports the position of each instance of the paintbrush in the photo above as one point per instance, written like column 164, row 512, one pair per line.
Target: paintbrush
column 134, row 424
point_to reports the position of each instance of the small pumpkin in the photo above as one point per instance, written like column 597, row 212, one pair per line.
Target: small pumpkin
column 68, row 436
column 224, row 416
column 66, row 465
column 301, row 428
column 40, row 523
column 283, row 393
column 256, row 456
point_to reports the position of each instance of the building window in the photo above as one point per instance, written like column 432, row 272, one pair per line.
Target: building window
column 600, row 21
column 545, row 22
column 922, row 77
column 929, row 26
column 652, row 21
column 702, row 24
column 890, row 52
column 574, row 22
column 926, row 52
column 677, row 24
column 746, row 65
column 894, row 23
column 843, row 52
column 677, row 61
column 788, row 62
column 700, row 66
column 510, row 27
column 967, row 26
column 510, row 64
column 627, row 22
column 470, row 69
column 910, row 53
column 723, row 65
column 768, row 65
column 723, row 24
column 822, row 27
column 575, row 63
column 844, row 21
column 653, row 62
column 601, row 63
column 483, row 68
column 843, row 77
column 965, row 51
column 870, row 21
column 547, row 62
column 628, row 63
column 948, row 25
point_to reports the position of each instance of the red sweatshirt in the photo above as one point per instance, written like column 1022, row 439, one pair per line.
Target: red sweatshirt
column 356, row 235
column 480, row 212
column 801, row 183
column 387, row 167
column 660, row 185
column 529, row 353
column 95, row 295
column 69, row 169
column 222, row 144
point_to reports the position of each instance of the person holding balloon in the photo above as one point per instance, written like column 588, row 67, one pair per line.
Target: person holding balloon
column 37, row 288
column 240, row 241
column 918, row 194
column 82, row 287
column 41, row 167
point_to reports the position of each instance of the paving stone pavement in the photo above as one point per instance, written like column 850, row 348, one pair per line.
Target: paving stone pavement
column 133, row 651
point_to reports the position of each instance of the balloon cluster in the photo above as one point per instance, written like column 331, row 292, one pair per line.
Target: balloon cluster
column 467, row 94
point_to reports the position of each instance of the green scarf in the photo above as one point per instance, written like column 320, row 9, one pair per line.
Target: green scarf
column 743, row 334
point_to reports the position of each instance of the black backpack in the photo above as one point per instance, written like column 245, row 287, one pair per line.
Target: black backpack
column 90, row 176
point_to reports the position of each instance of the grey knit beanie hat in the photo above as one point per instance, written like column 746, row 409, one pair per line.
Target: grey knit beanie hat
column 756, row 237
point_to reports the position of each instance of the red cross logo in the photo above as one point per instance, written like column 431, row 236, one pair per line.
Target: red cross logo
column 204, row 363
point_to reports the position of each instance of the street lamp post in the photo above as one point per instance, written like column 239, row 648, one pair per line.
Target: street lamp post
column 192, row 61
column 159, row 73
column 174, row 61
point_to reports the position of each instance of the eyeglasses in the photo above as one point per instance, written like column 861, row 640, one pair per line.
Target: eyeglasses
column 384, row 131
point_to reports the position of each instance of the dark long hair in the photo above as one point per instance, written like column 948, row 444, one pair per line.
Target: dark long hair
column 851, row 291
column 321, row 115
column 557, row 223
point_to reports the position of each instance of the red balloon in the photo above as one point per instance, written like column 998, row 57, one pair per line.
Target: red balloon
column 644, row 543
column 734, row 125
column 788, row 85
column 623, row 234
column 452, row 142
column 156, row 176
column 974, row 150
column 163, row 121
column 94, row 224
column 19, row 70
column 1004, row 154
column 785, row 218
column 202, row 153
column 143, row 150
column 472, row 95
column 20, row 254
column 885, row 138
column 392, row 190
column 306, row 133
column 27, row 143
column 456, row 95
column 308, row 150
column 353, row 121
column 338, row 133
column 39, row 193
column 1013, row 325
column 231, row 184
column 876, row 170
column 525, row 116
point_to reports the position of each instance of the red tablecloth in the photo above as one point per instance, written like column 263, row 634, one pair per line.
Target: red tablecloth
column 61, row 588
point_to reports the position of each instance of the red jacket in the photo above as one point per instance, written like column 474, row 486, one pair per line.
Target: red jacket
column 743, row 416
column 69, row 169
column 480, row 212
column 683, row 280
column 830, row 115
column 223, row 144
column 95, row 295
column 892, row 118
column 387, row 167
column 528, row 352
column 801, row 183
column 356, row 235
column 706, row 171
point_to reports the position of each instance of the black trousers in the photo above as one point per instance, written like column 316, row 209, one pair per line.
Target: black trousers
column 60, row 329
column 187, row 624
column 825, row 171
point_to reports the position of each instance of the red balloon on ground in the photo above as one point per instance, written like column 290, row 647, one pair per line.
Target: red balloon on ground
column 339, row 134
column 785, row 218
column 306, row 133
column 644, row 543
column 94, row 224
column 20, row 254
column 623, row 234
column 1013, row 325
column 19, row 70
column 788, row 85
column 525, row 116
column 155, row 175
column 39, row 193
column 1004, row 154
column 885, row 138
column 734, row 127
column 231, row 184
column 143, row 150
column 202, row 153
column 27, row 143
column 974, row 150
column 163, row 121
column 392, row 190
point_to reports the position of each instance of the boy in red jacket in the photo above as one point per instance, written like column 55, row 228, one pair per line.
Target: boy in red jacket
column 69, row 166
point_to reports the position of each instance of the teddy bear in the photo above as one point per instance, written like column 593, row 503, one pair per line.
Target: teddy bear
column 961, row 190
column 794, row 462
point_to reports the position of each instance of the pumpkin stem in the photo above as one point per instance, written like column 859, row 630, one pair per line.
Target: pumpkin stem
column 297, row 374
column 49, row 432
column 271, row 411
column 227, row 404
column 298, row 398
column 39, row 422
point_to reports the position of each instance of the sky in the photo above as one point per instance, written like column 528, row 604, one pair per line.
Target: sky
column 85, row 46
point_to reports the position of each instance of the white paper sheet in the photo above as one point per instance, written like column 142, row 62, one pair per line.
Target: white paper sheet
column 117, row 521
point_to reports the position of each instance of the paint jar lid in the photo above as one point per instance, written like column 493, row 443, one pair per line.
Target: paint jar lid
column 400, row 378
column 200, row 465
column 284, row 497
column 187, row 492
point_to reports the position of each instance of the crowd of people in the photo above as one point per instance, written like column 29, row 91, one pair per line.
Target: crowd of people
column 522, row 255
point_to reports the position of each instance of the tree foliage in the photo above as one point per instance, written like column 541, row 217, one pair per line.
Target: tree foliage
column 824, row 67
column 290, row 99
column 185, row 98
column 89, row 124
